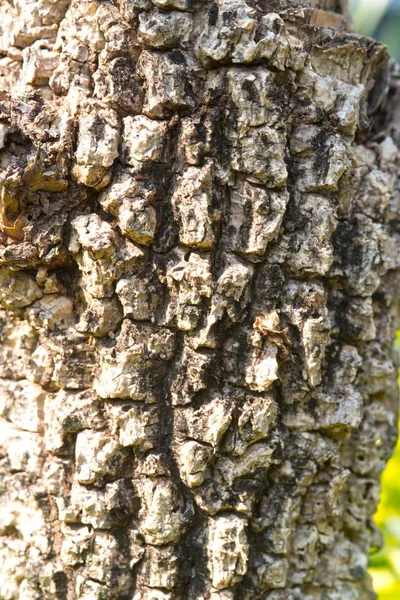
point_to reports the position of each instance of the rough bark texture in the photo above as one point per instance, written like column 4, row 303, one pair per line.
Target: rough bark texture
column 199, row 257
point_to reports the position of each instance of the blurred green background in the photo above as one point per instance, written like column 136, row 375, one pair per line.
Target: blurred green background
column 385, row 565
column 381, row 20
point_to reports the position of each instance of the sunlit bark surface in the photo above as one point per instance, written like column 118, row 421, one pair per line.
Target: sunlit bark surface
column 199, row 271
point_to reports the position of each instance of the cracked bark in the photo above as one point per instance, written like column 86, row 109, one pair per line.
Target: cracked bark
column 199, row 289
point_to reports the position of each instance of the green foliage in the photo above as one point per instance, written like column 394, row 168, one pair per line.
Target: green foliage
column 385, row 564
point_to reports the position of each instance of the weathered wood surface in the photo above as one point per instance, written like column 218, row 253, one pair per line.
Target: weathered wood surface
column 199, row 272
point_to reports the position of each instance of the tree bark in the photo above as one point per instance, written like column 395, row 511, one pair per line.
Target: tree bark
column 199, row 288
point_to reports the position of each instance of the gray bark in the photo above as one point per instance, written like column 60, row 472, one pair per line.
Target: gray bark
column 199, row 282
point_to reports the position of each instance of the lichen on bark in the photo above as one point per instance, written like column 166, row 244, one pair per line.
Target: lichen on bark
column 199, row 276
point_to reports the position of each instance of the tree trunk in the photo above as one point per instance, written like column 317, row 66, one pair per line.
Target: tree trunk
column 199, row 282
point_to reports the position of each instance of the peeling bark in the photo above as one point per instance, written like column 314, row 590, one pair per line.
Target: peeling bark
column 199, row 282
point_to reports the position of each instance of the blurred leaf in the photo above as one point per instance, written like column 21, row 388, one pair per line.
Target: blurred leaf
column 385, row 564
column 382, row 579
column 380, row 559
column 392, row 526
column 394, row 556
